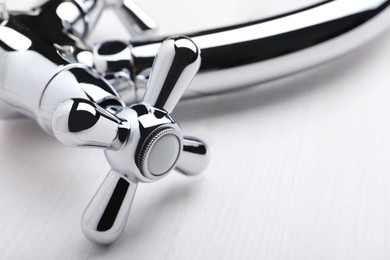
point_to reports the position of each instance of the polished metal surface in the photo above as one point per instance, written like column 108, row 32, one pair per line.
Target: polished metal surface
column 80, row 122
column 90, row 95
column 113, row 60
column 150, row 120
column 242, row 55
column 194, row 158
column 154, row 143
column 234, row 57
column 78, row 16
column 105, row 217
column 172, row 74
column 76, row 104
column 41, row 42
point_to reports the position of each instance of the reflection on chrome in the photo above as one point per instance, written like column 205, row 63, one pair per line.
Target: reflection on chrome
column 119, row 95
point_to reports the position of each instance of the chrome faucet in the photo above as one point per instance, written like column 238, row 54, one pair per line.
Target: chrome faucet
column 90, row 95
column 42, row 77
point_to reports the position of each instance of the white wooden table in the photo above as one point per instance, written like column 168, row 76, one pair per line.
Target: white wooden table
column 300, row 169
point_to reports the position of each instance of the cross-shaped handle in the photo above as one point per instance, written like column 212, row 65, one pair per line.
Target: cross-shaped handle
column 143, row 142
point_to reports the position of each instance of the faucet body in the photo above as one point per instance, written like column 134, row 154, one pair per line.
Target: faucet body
column 39, row 68
column 49, row 74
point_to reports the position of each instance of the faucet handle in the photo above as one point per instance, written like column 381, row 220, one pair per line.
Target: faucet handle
column 80, row 122
column 143, row 142
column 194, row 158
column 156, row 145
column 176, row 63
column 105, row 217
